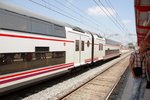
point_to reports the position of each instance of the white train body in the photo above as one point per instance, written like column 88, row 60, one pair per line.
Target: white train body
column 81, row 52
column 99, row 51
column 34, row 47
column 112, row 49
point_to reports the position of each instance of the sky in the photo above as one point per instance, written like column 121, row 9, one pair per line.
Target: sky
column 99, row 16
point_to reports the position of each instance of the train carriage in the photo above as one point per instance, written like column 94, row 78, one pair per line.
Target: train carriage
column 112, row 49
column 98, row 44
column 81, row 49
column 34, row 47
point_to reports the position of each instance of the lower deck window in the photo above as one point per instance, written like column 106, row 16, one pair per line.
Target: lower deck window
column 15, row 62
column 108, row 52
column 42, row 49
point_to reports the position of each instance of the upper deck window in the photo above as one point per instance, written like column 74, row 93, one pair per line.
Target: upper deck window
column 39, row 26
column 59, row 31
column 13, row 21
column 17, row 22
column 78, row 29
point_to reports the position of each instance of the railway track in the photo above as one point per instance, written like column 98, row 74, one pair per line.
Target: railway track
column 100, row 87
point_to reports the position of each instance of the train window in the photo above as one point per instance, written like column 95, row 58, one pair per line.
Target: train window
column 42, row 49
column 112, row 51
column 57, row 54
column 15, row 62
column 59, row 31
column 88, row 43
column 101, row 46
column 77, row 45
column 82, row 45
column 51, row 29
column 13, row 21
column 39, row 26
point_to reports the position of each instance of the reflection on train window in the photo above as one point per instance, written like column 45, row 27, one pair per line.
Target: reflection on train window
column 42, row 49
column 13, row 21
column 77, row 45
column 115, row 51
column 15, row 62
column 100, row 46
column 82, row 45
column 10, row 20
column 38, row 26
column 59, row 31
column 88, row 43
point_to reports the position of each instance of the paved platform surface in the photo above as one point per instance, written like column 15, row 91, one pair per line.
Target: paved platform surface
column 127, row 90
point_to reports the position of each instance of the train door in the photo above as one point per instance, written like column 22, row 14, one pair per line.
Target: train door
column 77, row 57
column 83, row 50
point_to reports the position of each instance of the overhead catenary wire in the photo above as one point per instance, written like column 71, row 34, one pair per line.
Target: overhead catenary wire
column 112, row 18
column 119, row 18
column 117, row 15
column 107, row 12
column 59, row 12
column 80, row 10
column 54, row 10
column 66, row 15
column 89, row 19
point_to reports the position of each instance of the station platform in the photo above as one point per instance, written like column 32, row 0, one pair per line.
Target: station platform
column 128, row 87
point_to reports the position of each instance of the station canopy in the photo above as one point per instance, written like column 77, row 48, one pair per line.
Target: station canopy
column 142, row 15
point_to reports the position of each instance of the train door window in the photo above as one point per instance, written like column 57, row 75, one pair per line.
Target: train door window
column 82, row 45
column 88, row 43
column 77, row 45
column 101, row 46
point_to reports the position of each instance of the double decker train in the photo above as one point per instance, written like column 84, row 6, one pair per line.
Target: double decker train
column 34, row 47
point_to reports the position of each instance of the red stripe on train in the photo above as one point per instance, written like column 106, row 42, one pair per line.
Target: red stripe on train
column 35, row 70
column 26, row 76
column 38, row 38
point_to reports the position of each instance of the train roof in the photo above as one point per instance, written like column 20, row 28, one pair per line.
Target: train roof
column 14, row 8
